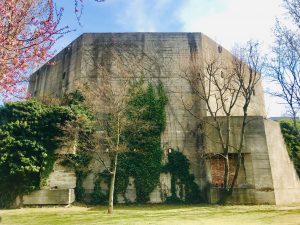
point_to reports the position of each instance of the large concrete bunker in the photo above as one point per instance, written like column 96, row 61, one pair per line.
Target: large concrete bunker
column 267, row 174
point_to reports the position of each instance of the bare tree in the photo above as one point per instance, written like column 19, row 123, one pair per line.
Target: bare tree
column 225, row 88
column 285, row 69
column 247, row 66
column 284, row 64
column 293, row 6
column 108, row 89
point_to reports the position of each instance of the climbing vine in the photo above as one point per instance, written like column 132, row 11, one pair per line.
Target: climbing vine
column 144, row 156
column 79, row 130
column 183, row 187
column 79, row 162
column 98, row 195
column 291, row 138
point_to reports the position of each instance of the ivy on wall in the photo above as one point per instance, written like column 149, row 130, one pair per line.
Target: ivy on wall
column 291, row 138
column 183, row 187
column 98, row 195
column 79, row 162
column 143, row 161
column 79, row 130
column 144, row 156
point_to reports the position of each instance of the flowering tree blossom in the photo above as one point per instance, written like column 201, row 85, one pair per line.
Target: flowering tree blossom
column 28, row 30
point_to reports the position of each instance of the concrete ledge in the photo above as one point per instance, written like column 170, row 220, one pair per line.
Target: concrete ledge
column 239, row 196
column 264, row 196
column 50, row 197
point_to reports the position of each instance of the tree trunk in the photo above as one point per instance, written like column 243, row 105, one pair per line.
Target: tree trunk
column 239, row 159
column 226, row 172
column 226, row 151
column 224, row 192
column 114, row 171
column 295, row 124
column 112, row 186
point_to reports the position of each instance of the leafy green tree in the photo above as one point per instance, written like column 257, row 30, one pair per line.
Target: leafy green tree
column 291, row 137
column 28, row 132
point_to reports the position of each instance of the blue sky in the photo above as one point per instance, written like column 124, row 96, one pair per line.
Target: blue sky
column 226, row 21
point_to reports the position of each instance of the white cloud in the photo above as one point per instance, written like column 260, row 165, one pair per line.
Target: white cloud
column 142, row 15
column 230, row 21
column 134, row 17
column 235, row 21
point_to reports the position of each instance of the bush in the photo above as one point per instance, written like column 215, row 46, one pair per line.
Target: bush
column 27, row 143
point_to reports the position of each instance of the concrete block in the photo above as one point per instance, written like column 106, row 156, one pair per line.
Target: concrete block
column 50, row 197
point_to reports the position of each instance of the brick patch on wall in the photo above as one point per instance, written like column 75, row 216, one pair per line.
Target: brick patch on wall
column 217, row 169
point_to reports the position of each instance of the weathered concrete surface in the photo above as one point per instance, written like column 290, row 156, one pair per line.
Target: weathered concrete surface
column 164, row 57
column 61, row 179
column 58, row 188
column 267, row 171
column 256, row 142
column 239, row 196
column 285, row 179
column 50, row 197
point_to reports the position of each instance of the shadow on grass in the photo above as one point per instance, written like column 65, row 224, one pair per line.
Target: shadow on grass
column 152, row 207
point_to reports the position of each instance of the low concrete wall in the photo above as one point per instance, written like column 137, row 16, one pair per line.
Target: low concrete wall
column 239, row 196
column 50, row 197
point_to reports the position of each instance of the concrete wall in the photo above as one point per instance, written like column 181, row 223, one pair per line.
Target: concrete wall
column 255, row 166
column 270, row 176
column 59, row 74
column 285, row 179
column 164, row 56
column 62, row 177
column 58, row 188
column 239, row 196
column 50, row 197
column 255, row 141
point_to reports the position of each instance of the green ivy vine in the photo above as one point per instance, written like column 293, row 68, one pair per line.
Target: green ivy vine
column 183, row 186
column 291, row 138
column 143, row 160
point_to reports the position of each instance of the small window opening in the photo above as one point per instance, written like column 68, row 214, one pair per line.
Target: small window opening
column 220, row 49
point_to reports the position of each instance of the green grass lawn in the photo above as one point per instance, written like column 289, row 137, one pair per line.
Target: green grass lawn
column 155, row 214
